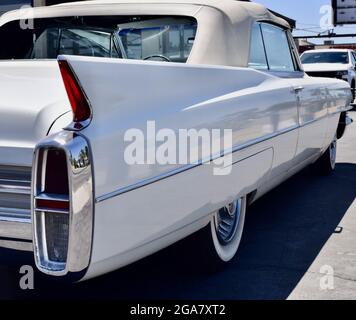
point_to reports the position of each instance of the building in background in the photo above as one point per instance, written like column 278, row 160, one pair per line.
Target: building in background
column 305, row 45
column 328, row 45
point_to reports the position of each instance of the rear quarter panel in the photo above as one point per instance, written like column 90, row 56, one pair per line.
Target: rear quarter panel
column 127, row 94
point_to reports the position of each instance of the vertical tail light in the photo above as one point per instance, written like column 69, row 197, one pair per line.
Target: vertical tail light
column 62, row 204
column 52, row 209
column 77, row 98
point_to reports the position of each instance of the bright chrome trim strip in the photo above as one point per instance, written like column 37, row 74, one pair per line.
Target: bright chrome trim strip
column 10, row 181
column 15, row 189
column 52, row 197
column 15, row 215
column 146, row 182
column 49, row 210
column 307, row 123
column 15, row 224
column 15, row 230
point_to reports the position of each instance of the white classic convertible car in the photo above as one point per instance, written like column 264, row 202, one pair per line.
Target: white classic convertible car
column 76, row 79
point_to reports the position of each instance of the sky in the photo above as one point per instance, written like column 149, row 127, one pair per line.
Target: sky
column 308, row 16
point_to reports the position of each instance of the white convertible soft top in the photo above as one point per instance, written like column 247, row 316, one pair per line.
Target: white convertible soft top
column 224, row 25
column 235, row 10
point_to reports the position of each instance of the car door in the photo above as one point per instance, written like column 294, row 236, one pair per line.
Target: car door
column 271, row 52
column 309, row 93
column 313, row 118
column 352, row 75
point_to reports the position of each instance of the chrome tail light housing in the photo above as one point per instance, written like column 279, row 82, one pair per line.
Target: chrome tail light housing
column 62, row 205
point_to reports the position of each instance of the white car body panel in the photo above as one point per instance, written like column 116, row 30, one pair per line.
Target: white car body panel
column 208, row 104
column 133, row 217
column 32, row 98
column 280, row 125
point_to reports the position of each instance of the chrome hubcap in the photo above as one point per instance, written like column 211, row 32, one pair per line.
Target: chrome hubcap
column 333, row 149
column 227, row 222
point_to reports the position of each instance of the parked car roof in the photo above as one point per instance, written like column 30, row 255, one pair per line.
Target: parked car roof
column 328, row 50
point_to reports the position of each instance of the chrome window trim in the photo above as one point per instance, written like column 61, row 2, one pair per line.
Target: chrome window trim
column 81, row 217
column 287, row 74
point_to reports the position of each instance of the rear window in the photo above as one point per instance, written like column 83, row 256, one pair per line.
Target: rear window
column 157, row 38
column 325, row 57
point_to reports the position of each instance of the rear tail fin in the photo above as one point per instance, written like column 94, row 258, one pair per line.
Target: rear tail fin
column 79, row 102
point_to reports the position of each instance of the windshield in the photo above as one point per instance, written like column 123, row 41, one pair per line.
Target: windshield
column 325, row 57
column 167, row 39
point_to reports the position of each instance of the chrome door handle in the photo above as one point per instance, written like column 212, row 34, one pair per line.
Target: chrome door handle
column 298, row 89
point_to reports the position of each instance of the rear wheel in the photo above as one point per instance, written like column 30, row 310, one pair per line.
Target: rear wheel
column 327, row 162
column 220, row 241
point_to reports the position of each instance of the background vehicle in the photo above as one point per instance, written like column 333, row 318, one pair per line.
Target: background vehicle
column 331, row 63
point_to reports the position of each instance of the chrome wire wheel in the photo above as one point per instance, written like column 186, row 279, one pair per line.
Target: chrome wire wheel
column 332, row 153
column 227, row 220
column 227, row 227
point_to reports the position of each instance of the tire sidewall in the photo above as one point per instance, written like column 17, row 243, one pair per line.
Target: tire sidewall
column 227, row 252
column 330, row 150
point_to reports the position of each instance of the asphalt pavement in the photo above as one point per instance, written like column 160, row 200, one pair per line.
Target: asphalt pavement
column 299, row 243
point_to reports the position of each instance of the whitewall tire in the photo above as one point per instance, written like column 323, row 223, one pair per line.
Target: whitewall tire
column 327, row 162
column 220, row 241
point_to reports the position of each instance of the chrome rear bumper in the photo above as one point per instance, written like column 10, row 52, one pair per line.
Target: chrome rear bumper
column 15, row 228
column 15, row 202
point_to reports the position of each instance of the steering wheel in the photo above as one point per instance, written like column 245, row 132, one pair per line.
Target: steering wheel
column 158, row 56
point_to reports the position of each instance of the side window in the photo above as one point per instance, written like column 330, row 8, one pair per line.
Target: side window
column 81, row 42
column 294, row 51
column 277, row 48
column 257, row 58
